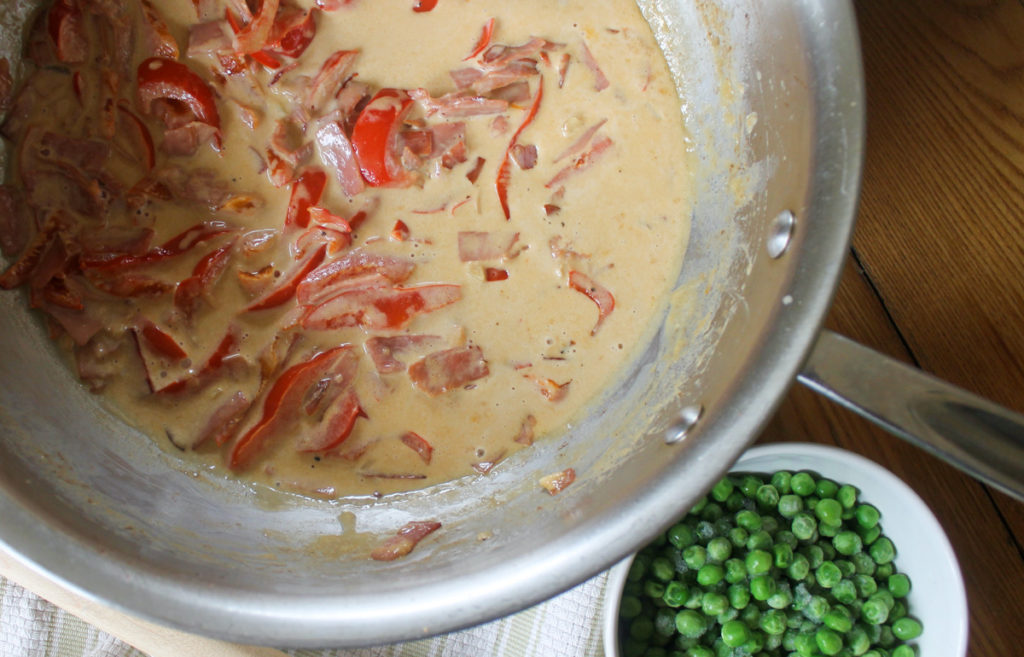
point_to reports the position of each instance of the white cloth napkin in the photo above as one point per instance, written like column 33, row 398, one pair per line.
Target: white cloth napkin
column 568, row 625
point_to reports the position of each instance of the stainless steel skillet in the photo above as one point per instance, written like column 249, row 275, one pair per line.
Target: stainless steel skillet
column 774, row 99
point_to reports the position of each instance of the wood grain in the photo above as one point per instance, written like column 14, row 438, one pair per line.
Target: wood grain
column 936, row 273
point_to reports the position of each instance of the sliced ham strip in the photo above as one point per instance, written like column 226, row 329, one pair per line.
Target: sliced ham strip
column 582, row 142
column 600, row 81
column 15, row 221
column 403, row 542
column 525, row 156
column 581, row 162
column 382, row 350
column 339, row 155
column 442, row 371
column 186, row 140
column 596, row 293
column 156, row 37
column 223, row 421
column 418, row 444
column 328, row 80
column 481, row 245
column 318, row 284
column 208, row 38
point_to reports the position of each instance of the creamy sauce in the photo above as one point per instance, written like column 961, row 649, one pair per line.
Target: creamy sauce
column 621, row 221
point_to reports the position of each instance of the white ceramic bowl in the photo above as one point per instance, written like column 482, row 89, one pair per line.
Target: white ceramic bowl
column 937, row 597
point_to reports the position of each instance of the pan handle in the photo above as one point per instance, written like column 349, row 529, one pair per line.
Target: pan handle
column 973, row 434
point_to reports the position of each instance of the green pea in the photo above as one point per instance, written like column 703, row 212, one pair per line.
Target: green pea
column 847, row 542
column 760, row 540
column 783, row 555
column 874, row 611
column 762, row 587
column 662, row 569
column 828, row 531
column 699, row 651
column 826, row 488
column 829, row 512
column 781, row 599
column 907, row 628
column 845, row 591
column 641, row 628
column 884, row 571
column 722, row 489
column 749, row 485
column 803, row 484
column 695, row 556
column 690, row 624
column 846, row 567
column 857, row 641
column 758, row 562
column 882, row 551
column 773, row 622
column 751, row 615
column 804, row 526
column 799, row 568
column 675, row 594
column 713, row 604
column 735, row 570
column 694, row 598
column 816, row 608
column 847, row 496
column 869, row 536
column 681, row 536
column 739, row 596
column 790, row 505
column 665, row 622
column 711, row 512
column 866, row 585
column 735, row 502
column 815, row 555
column 805, row 645
column 738, row 537
column 705, row 531
column 786, row 537
column 735, row 633
column 654, row 589
column 828, row 641
column 638, row 568
column 863, row 563
column 630, row 607
column 867, row 516
column 898, row 584
column 754, row 644
column 781, row 480
column 899, row 610
column 719, row 549
column 838, row 618
column 748, row 520
column 769, row 524
column 828, row 574
column 903, row 651
column 710, row 574
column 767, row 496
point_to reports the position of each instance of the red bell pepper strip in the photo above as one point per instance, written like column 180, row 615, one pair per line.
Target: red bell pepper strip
column 286, row 289
column 282, row 403
column 160, row 341
column 173, row 247
column 292, row 33
column 204, row 275
column 374, row 136
column 306, row 192
column 418, row 444
column 159, row 77
column 485, row 40
column 423, row 6
column 336, row 427
column 504, row 171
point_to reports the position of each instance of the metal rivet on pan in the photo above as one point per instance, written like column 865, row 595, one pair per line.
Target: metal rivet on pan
column 688, row 418
column 781, row 233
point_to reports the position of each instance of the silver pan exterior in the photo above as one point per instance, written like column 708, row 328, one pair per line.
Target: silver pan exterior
column 775, row 101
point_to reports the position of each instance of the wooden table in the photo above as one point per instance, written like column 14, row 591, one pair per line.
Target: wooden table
column 936, row 273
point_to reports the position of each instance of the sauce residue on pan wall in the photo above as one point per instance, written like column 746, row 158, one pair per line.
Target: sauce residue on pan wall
column 351, row 248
